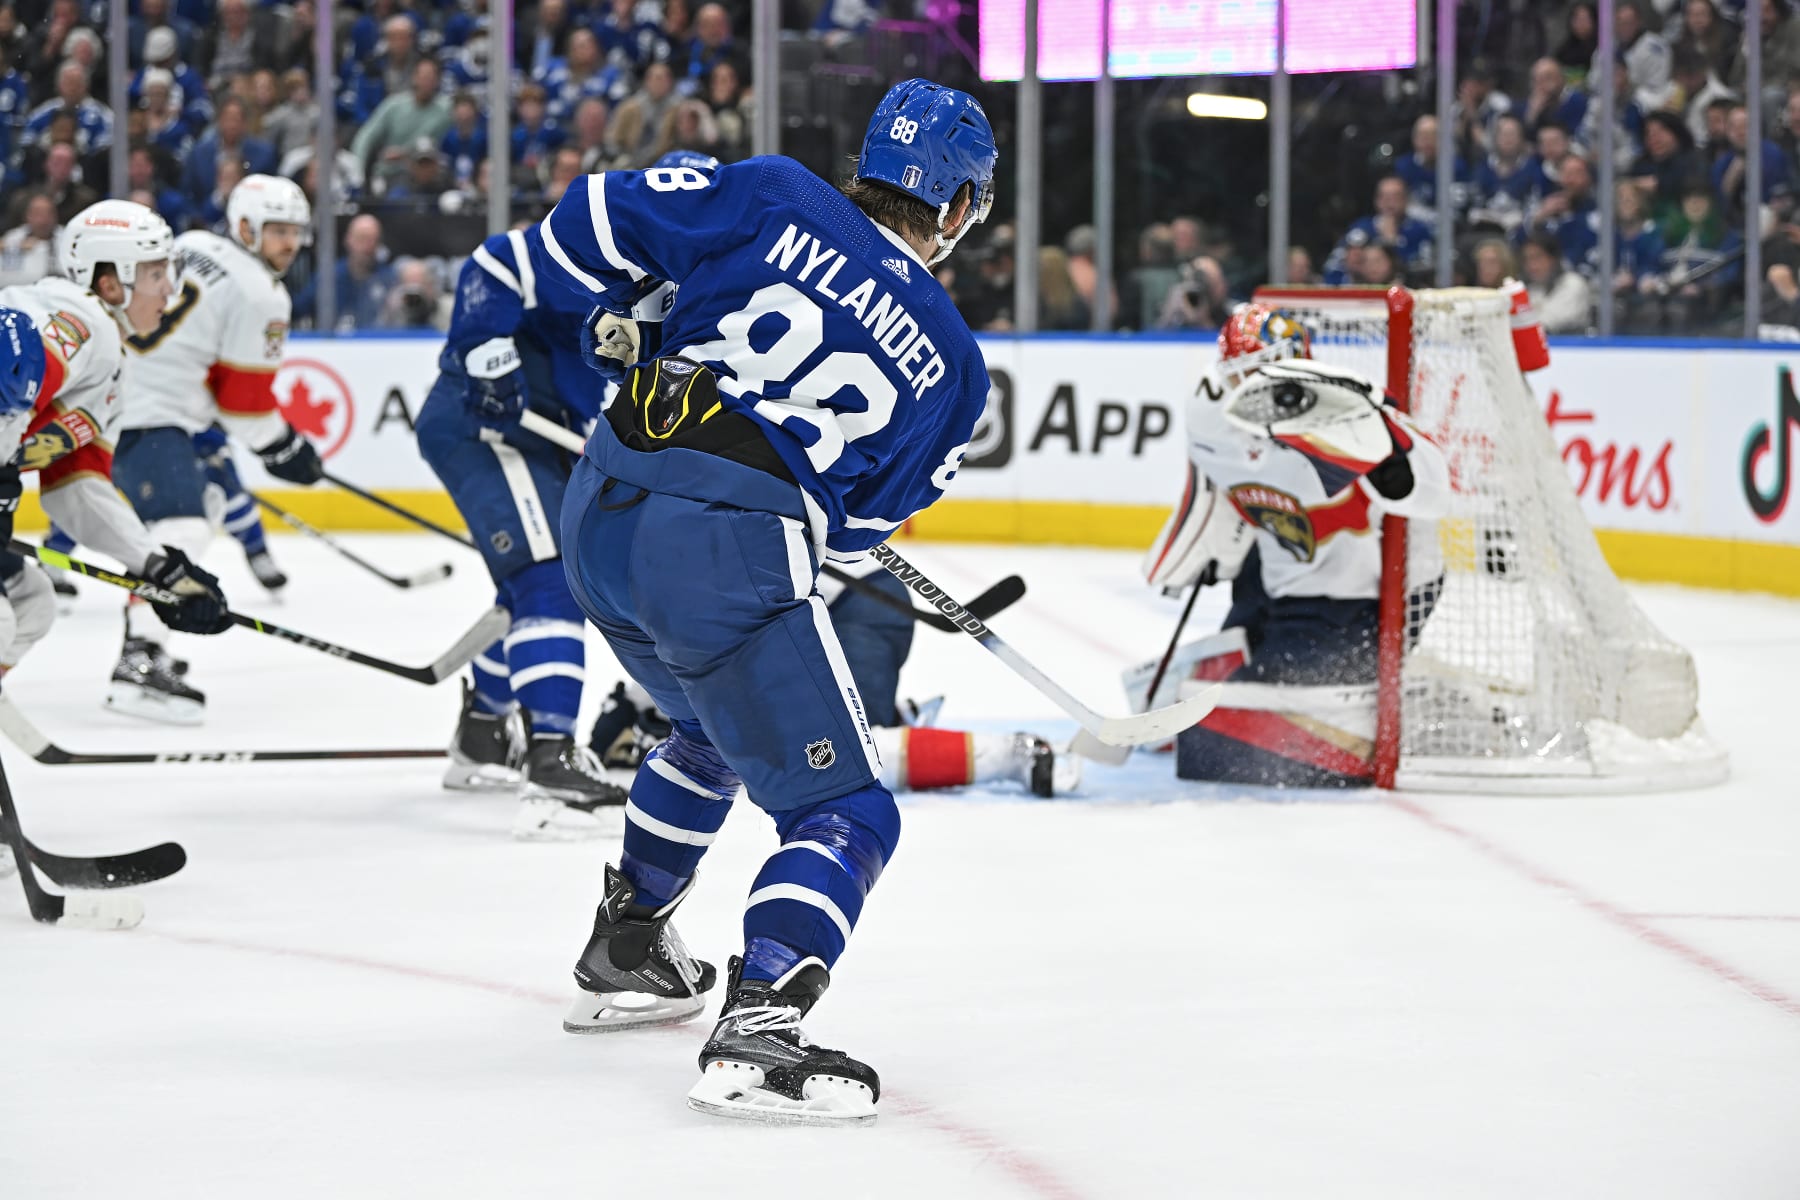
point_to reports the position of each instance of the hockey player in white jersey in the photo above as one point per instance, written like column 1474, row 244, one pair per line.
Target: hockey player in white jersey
column 210, row 357
column 1292, row 465
column 60, row 359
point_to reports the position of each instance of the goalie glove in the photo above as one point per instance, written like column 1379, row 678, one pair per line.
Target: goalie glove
column 1337, row 418
column 1204, row 539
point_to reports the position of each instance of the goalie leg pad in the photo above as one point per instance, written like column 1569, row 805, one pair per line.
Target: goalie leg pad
column 1284, row 737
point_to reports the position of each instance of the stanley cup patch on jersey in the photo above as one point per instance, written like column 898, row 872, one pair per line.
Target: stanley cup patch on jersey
column 1279, row 515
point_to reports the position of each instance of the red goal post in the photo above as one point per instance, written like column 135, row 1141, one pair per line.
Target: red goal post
column 1510, row 658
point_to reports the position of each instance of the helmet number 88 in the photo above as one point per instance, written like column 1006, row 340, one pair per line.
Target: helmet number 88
column 904, row 130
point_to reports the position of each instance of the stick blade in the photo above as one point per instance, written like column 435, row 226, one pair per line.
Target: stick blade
column 110, row 870
column 1159, row 724
column 1091, row 747
column 427, row 577
column 493, row 624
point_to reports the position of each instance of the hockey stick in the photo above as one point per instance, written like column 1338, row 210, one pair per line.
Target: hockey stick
column 492, row 624
column 109, row 870
column 1157, row 725
column 30, row 739
column 418, row 579
column 1162, row 667
column 405, row 513
column 995, row 600
column 81, row 912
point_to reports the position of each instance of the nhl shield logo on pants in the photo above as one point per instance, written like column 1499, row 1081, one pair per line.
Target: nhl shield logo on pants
column 819, row 754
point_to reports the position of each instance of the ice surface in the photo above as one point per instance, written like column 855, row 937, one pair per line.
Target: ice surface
column 354, row 988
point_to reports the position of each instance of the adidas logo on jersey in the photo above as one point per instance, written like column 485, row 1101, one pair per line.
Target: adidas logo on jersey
column 898, row 266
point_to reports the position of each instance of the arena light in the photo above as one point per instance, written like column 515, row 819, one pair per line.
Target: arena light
column 1230, row 108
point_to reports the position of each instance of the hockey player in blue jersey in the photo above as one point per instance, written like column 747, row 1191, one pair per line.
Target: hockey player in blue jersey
column 817, row 388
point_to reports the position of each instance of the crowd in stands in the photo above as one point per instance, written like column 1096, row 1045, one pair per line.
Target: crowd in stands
column 222, row 88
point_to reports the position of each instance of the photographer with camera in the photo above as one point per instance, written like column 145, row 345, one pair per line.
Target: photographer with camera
column 417, row 301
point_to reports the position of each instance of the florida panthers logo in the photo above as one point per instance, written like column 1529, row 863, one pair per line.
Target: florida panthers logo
column 1279, row 515
column 316, row 402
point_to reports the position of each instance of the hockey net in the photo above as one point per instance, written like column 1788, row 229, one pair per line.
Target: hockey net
column 1530, row 668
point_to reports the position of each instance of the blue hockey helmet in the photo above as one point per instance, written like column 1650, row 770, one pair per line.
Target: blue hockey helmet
column 21, row 362
column 704, row 163
column 928, row 140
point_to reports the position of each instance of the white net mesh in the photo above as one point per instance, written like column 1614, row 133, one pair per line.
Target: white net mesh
column 1533, row 669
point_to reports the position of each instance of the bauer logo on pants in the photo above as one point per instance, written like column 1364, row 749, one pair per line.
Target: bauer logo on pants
column 819, row 754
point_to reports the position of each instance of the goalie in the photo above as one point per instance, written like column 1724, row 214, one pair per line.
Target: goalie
column 1291, row 466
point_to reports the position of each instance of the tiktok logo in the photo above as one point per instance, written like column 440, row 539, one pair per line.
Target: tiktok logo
column 1769, row 505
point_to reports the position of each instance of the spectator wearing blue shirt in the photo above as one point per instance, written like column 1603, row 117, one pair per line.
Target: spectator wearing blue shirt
column 1418, row 171
column 364, row 278
column 15, row 102
column 187, row 91
column 1552, row 98
column 145, row 174
column 1572, row 215
column 1509, row 182
column 93, row 120
column 1409, row 238
column 841, row 20
column 387, row 72
column 629, row 39
column 542, row 36
column 581, row 76
column 1553, row 145
column 1730, row 169
column 534, row 135
column 1479, row 106
column 228, row 140
column 465, row 143
column 153, row 14
column 164, row 126
column 712, row 44
column 1637, row 260
column 1628, row 118
column 467, row 68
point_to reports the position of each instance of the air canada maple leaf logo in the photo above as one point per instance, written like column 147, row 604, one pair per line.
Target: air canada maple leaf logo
column 316, row 401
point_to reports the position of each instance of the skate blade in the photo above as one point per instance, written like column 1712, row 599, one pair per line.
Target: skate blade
column 545, row 820
column 167, row 710
column 481, row 777
column 617, row 1011
column 734, row 1090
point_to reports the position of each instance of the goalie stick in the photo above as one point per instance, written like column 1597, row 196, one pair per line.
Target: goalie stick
column 30, row 739
column 1159, row 724
column 493, row 623
column 114, row 911
column 417, row 579
column 404, row 513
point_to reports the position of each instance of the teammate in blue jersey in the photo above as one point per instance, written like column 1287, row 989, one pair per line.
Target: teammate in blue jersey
column 817, row 388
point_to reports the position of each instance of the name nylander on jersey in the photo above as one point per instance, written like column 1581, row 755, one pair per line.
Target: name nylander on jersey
column 824, row 327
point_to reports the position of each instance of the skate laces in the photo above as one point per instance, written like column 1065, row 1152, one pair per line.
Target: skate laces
column 771, row 1018
column 676, row 951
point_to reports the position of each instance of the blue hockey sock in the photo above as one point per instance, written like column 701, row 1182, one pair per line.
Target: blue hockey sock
column 493, row 686
column 243, row 521
column 59, row 541
column 678, row 801
column 544, row 649
column 807, row 897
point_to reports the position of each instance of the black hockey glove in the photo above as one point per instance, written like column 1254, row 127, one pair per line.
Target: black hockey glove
column 202, row 608
column 10, row 490
column 293, row 458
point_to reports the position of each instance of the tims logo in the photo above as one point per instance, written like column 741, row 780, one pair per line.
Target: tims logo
column 1776, row 442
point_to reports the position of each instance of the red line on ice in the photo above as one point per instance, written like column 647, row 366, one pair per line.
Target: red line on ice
column 1636, row 924
column 1715, row 916
column 1027, row 1172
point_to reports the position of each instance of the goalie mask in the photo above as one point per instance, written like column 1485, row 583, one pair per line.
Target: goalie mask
column 1256, row 335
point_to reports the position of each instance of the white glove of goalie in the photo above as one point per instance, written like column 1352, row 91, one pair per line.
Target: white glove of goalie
column 1337, row 418
column 1204, row 539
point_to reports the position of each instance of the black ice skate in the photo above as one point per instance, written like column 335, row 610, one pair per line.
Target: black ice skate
column 272, row 577
column 145, row 684
column 758, row 1066
column 488, row 751
column 635, row 970
column 626, row 731
column 566, row 796
column 1042, row 769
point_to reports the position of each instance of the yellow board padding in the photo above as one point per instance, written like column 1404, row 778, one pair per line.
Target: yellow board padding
column 1730, row 564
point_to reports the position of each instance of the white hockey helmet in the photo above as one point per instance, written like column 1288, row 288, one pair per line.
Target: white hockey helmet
column 119, row 232
column 260, row 199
